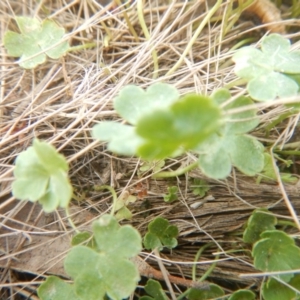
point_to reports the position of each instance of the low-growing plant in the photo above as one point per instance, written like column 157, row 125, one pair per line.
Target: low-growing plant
column 159, row 123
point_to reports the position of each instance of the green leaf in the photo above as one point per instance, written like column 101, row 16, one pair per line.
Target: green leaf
column 172, row 194
column 213, row 292
column 267, row 87
column 266, row 69
column 276, row 251
column 187, row 122
column 121, row 206
column 258, row 222
column 242, row 295
column 133, row 102
column 160, row 234
column 122, row 138
column 34, row 40
column 154, row 289
column 82, row 237
column 56, row 289
column 274, row 290
column 96, row 271
column 41, row 175
column 231, row 145
column 200, row 187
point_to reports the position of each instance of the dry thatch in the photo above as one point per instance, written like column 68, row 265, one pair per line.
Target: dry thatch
column 60, row 101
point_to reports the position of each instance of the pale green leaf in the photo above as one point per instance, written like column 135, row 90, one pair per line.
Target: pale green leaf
column 133, row 102
column 274, row 290
column 50, row 35
column 259, row 221
column 276, row 251
column 41, row 175
column 121, row 138
column 34, row 40
column 246, row 154
column 56, row 289
column 242, row 295
column 154, row 289
column 188, row 122
column 213, row 292
column 269, row 86
column 49, row 157
column 96, row 271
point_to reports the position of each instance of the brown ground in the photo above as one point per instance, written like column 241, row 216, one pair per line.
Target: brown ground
column 61, row 100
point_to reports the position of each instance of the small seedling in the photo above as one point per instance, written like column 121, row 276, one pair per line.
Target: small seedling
column 200, row 187
column 35, row 41
column 122, row 212
column 162, row 124
column 154, row 290
column 268, row 173
column 96, row 270
column 231, row 146
column 41, row 174
column 154, row 166
column 172, row 194
column 268, row 70
column 160, row 234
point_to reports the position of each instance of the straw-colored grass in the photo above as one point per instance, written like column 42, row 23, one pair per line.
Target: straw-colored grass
column 61, row 100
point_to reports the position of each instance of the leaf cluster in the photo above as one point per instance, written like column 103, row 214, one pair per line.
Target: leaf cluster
column 273, row 250
column 41, row 174
column 160, row 234
column 35, row 41
column 271, row 71
column 162, row 125
column 102, row 270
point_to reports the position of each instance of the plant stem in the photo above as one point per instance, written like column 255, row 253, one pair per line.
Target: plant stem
column 80, row 47
column 287, row 152
column 178, row 172
column 200, row 251
column 113, row 193
column 147, row 36
column 70, row 220
column 131, row 29
column 194, row 37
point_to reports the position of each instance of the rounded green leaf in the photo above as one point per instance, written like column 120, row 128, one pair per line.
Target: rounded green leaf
column 154, row 289
column 34, row 40
column 276, row 251
column 28, row 25
column 269, row 86
column 213, row 292
column 246, row 153
column 258, row 222
column 113, row 239
column 242, row 295
column 50, row 35
column 274, row 290
column 249, row 63
column 133, row 102
column 55, row 288
column 152, row 241
column 188, row 122
column 122, row 138
column 158, row 226
column 81, row 259
column 90, row 285
column 41, row 175
column 49, row 157
column 214, row 160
